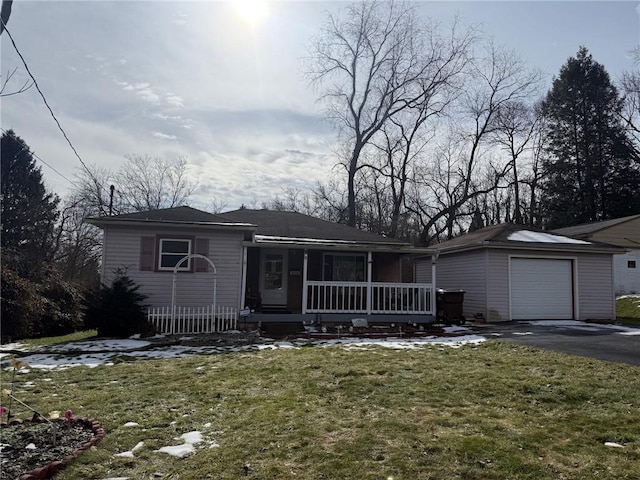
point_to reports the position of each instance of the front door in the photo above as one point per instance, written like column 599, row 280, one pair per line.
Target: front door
column 273, row 277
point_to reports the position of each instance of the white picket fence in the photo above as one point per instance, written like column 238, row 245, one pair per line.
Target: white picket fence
column 193, row 319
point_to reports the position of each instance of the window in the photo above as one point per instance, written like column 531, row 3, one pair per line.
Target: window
column 631, row 264
column 171, row 251
column 345, row 267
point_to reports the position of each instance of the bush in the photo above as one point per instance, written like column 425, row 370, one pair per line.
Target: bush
column 31, row 309
column 21, row 306
column 117, row 310
column 62, row 308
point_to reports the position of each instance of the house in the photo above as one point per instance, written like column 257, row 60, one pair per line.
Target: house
column 512, row 272
column 283, row 265
column 622, row 232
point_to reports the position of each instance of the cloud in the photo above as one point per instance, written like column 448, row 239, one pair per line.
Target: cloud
column 175, row 100
column 164, row 136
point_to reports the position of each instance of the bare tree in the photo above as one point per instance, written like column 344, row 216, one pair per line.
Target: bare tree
column 376, row 63
column 630, row 87
column 514, row 131
column 78, row 244
column 150, row 183
column 4, row 85
column 467, row 167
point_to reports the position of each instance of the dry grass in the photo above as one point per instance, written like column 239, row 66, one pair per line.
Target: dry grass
column 494, row 411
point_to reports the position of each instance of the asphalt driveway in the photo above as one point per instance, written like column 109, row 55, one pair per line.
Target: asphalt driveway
column 604, row 342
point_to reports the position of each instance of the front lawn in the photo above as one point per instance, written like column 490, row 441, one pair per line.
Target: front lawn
column 492, row 411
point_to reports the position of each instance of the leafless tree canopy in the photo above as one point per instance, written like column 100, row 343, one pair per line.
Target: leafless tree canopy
column 422, row 115
column 143, row 183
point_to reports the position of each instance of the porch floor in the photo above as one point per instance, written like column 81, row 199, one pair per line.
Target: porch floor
column 311, row 318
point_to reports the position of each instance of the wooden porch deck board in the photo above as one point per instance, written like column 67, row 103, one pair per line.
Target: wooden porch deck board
column 310, row 318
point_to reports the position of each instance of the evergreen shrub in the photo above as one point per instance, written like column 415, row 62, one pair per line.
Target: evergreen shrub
column 117, row 310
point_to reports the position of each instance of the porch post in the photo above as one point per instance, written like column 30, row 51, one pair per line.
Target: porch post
column 304, row 281
column 369, row 270
column 434, row 258
column 243, row 285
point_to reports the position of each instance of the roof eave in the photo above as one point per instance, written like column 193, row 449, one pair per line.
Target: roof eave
column 320, row 244
column 106, row 222
column 557, row 247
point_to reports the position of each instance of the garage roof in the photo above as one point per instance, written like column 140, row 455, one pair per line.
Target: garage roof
column 508, row 235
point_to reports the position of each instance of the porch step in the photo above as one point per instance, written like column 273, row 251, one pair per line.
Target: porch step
column 275, row 309
column 282, row 328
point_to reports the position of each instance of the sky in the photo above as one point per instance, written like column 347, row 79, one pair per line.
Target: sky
column 222, row 82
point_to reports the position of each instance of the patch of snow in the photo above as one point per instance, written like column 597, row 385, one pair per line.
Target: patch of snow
column 631, row 295
column 131, row 424
column 523, row 333
column 93, row 345
column 207, row 425
column 129, row 453
column 630, row 333
column 586, row 329
column 23, row 347
column 557, row 323
column 135, row 336
column 541, row 237
column 31, row 446
column 189, row 438
column 50, row 360
column 455, row 329
column 115, row 478
column 613, row 444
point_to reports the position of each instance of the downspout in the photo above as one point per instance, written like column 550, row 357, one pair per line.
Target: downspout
column 305, row 292
column 243, row 285
column 434, row 259
column 369, row 271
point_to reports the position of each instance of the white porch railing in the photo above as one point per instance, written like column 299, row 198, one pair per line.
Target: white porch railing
column 364, row 297
column 193, row 319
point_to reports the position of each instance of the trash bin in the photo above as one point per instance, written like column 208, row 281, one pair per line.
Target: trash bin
column 449, row 306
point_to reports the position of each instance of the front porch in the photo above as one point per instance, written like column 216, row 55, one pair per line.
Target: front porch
column 332, row 286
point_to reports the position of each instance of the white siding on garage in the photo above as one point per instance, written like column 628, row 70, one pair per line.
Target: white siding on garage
column 541, row 288
column 192, row 289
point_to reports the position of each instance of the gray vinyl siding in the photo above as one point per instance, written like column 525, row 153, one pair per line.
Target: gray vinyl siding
column 465, row 271
column 122, row 251
column 595, row 287
column 484, row 275
column 423, row 270
column 498, row 289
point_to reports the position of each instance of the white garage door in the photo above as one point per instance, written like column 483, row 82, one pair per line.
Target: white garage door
column 541, row 288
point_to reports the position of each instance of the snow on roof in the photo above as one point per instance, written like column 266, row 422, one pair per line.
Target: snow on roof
column 541, row 237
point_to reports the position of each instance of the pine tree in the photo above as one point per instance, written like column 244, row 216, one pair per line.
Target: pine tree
column 29, row 212
column 592, row 171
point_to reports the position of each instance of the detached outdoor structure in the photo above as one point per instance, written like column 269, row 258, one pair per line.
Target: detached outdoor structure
column 512, row 272
column 284, row 266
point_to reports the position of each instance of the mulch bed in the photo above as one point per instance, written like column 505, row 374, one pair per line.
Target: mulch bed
column 44, row 458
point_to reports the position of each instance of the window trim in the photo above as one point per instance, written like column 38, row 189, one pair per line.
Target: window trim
column 160, row 239
column 343, row 254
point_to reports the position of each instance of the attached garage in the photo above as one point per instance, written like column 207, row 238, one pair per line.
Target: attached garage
column 511, row 272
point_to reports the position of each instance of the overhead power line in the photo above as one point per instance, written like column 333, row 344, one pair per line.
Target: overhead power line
column 26, row 147
column 44, row 99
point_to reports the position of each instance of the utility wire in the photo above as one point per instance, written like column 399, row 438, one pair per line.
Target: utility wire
column 26, row 147
column 44, row 99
